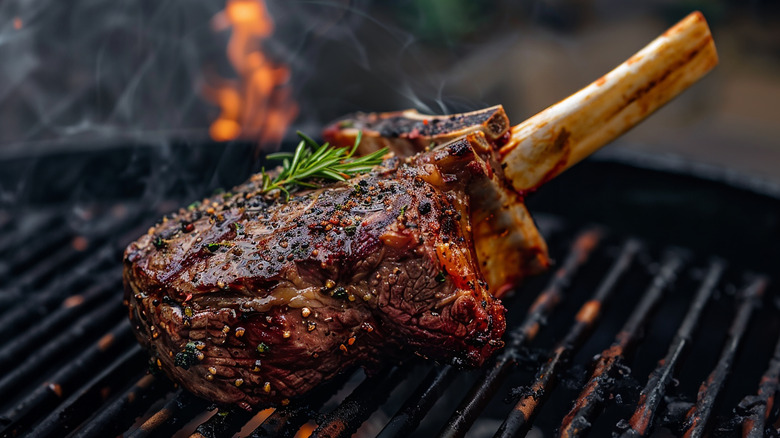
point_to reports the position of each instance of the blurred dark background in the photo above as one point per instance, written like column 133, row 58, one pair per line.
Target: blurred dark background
column 88, row 75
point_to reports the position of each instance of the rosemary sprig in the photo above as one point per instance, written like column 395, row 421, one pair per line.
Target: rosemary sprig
column 312, row 161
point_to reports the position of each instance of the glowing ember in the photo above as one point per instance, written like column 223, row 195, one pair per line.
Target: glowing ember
column 256, row 105
column 306, row 430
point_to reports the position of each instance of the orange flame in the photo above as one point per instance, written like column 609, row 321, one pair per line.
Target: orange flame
column 258, row 104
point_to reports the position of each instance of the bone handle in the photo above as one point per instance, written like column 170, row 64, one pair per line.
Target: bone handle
column 550, row 142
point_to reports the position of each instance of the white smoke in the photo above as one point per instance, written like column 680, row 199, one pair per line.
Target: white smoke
column 102, row 71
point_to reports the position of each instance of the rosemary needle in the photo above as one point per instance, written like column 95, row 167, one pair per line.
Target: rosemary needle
column 312, row 161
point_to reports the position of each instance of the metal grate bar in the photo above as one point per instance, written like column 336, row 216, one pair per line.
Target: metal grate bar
column 696, row 420
column 79, row 406
column 285, row 421
column 33, row 281
column 28, row 252
column 360, row 404
column 78, row 261
column 118, row 415
column 177, row 412
column 56, row 260
column 428, row 392
column 71, row 308
column 481, row 393
column 64, row 381
column 653, row 393
column 590, row 400
column 522, row 416
column 223, row 423
column 24, row 312
column 24, row 229
column 61, row 345
column 759, row 407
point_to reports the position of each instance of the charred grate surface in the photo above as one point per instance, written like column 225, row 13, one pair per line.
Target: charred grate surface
column 622, row 337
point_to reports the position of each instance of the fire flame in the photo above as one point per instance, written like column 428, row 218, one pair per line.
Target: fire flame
column 258, row 104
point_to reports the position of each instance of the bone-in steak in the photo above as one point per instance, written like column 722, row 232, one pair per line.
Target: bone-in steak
column 249, row 299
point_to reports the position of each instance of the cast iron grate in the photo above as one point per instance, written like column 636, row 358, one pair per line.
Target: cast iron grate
column 581, row 343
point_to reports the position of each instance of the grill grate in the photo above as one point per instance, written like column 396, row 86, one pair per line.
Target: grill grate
column 653, row 393
column 71, row 366
column 609, row 362
column 697, row 417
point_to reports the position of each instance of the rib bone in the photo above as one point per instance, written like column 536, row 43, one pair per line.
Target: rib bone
column 409, row 132
column 558, row 137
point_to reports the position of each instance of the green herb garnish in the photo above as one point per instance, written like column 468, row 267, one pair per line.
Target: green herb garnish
column 213, row 247
column 314, row 161
column 262, row 348
column 159, row 242
column 188, row 357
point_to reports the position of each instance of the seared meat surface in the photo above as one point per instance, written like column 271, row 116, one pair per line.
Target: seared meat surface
column 408, row 132
column 249, row 299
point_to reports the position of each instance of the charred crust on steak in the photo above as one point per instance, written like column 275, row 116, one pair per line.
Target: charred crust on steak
column 408, row 132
